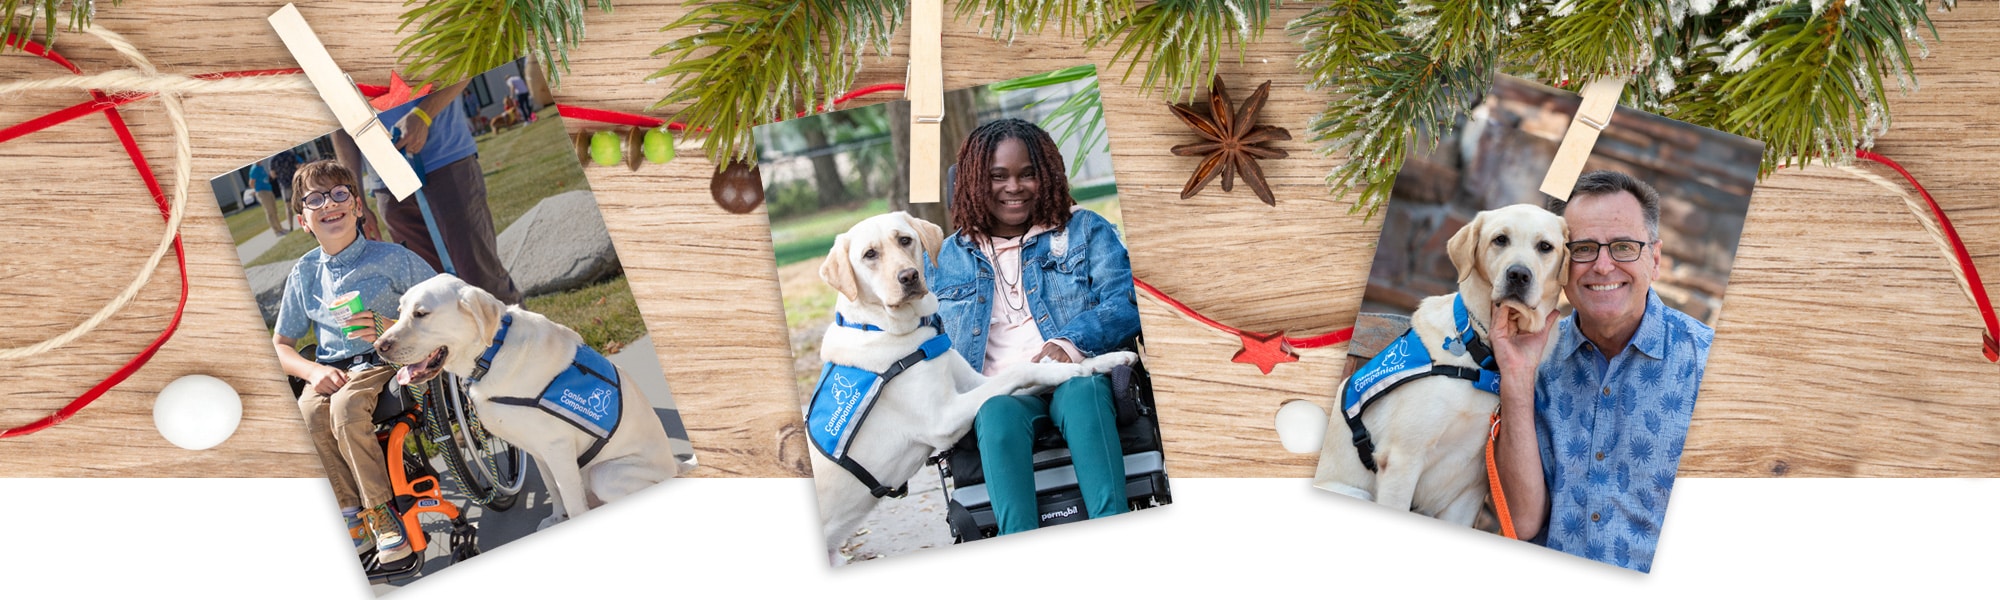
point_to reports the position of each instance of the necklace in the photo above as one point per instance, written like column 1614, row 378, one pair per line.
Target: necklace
column 1014, row 285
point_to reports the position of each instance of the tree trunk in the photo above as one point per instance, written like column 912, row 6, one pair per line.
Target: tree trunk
column 826, row 172
column 538, row 83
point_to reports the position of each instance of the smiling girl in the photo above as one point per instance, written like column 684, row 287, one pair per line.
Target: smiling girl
column 1027, row 277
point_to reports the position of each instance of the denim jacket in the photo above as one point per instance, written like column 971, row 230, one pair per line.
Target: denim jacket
column 1082, row 294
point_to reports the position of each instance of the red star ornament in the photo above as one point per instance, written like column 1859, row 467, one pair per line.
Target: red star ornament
column 399, row 93
column 1265, row 350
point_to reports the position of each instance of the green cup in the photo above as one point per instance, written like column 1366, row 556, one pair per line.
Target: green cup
column 345, row 306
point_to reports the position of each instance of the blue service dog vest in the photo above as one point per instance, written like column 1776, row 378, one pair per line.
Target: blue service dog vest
column 1406, row 360
column 586, row 394
column 847, row 393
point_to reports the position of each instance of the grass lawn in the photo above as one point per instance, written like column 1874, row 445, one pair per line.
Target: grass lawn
column 812, row 235
column 246, row 224
column 523, row 165
column 604, row 313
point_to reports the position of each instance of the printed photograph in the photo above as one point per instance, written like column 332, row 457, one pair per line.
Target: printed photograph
column 469, row 362
column 1583, row 325
column 967, row 368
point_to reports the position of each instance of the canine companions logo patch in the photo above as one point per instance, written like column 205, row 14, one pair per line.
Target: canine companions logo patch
column 847, row 391
column 586, row 394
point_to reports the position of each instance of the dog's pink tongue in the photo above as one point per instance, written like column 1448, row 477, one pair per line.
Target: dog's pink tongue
column 404, row 374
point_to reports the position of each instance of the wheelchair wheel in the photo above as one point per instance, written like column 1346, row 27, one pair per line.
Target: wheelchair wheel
column 491, row 471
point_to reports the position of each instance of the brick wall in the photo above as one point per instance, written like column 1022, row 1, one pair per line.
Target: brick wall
column 1498, row 157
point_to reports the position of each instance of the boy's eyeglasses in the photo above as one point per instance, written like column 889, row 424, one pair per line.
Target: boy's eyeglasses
column 1621, row 250
column 336, row 195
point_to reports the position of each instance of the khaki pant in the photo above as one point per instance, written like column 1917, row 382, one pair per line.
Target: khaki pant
column 343, row 432
column 274, row 211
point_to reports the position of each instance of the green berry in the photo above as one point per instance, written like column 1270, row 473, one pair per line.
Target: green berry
column 604, row 148
column 659, row 146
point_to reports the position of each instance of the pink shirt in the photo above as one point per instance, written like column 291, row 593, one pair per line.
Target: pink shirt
column 1012, row 337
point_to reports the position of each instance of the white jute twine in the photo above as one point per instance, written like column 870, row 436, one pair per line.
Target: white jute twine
column 143, row 77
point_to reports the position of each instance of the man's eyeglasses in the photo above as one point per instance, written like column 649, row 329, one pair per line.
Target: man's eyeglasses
column 1621, row 250
column 336, row 195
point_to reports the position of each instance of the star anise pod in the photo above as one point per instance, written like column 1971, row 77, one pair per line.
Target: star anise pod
column 1233, row 137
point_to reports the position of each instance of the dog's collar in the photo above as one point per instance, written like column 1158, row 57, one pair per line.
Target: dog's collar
column 486, row 358
column 933, row 321
column 1467, row 339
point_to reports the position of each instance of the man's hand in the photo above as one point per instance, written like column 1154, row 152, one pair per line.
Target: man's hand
column 1051, row 351
column 415, row 133
column 1515, row 352
column 1517, row 452
column 327, row 380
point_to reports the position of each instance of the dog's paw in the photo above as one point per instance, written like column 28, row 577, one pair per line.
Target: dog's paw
column 1051, row 374
column 1103, row 363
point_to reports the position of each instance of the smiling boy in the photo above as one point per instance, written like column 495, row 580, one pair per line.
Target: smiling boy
column 345, row 377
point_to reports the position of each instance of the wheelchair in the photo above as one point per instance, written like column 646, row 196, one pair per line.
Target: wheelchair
column 485, row 468
column 969, row 508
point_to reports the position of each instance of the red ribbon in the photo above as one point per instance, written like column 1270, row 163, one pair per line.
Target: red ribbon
column 101, row 102
column 108, row 104
column 1977, row 289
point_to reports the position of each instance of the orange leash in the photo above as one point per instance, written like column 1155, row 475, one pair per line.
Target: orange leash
column 1493, row 479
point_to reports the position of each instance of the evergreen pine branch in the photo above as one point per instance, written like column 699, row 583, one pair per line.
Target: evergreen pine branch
column 1806, row 77
column 23, row 15
column 1580, row 40
column 1184, row 40
column 1342, row 37
column 1816, row 91
column 750, row 61
column 1406, row 97
column 456, row 39
column 1459, row 30
column 1011, row 17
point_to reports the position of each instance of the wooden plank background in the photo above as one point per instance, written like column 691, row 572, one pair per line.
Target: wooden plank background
column 1846, row 349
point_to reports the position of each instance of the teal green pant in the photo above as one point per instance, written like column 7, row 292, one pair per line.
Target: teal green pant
column 1081, row 409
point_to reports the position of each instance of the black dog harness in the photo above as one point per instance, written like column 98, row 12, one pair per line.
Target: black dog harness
column 847, row 393
column 1406, row 360
column 586, row 395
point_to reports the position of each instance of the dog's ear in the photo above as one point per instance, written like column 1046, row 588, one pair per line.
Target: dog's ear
column 838, row 272
column 484, row 309
column 1562, row 253
column 930, row 234
column 1464, row 247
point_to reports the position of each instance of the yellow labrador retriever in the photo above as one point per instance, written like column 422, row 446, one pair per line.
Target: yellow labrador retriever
column 884, row 317
column 450, row 326
column 1427, row 433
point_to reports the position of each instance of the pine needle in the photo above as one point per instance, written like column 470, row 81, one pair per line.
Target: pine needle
column 20, row 16
column 456, row 39
column 1806, row 78
column 749, row 62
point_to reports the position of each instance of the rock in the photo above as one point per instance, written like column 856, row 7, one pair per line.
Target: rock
column 267, row 283
column 559, row 244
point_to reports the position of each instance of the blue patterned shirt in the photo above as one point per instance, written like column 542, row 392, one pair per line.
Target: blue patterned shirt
column 1611, row 433
column 379, row 270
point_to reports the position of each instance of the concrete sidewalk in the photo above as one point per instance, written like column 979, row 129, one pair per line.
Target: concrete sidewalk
column 250, row 249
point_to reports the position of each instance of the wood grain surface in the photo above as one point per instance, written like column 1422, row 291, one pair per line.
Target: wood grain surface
column 1846, row 348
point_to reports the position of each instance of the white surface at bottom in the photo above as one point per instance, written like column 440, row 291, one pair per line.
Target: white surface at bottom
column 699, row 538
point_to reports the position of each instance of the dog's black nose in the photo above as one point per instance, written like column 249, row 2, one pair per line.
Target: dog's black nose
column 907, row 277
column 1519, row 275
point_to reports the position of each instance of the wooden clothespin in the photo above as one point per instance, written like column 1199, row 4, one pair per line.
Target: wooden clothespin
column 925, row 89
column 1600, row 99
column 348, row 105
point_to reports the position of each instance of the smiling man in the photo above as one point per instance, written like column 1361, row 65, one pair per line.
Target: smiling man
column 1591, row 472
